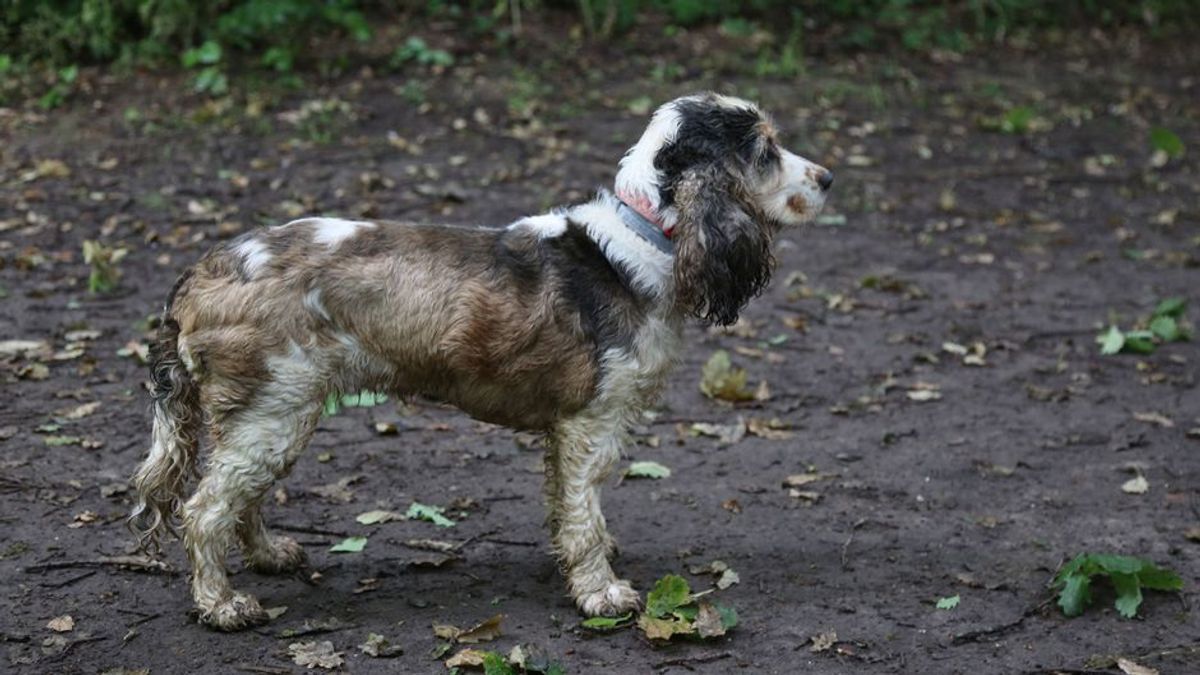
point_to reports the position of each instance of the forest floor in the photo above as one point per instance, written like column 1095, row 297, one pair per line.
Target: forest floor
column 928, row 348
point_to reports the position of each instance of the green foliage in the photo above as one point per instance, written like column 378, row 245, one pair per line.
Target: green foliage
column 1166, row 324
column 1166, row 141
column 433, row 514
column 1128, row 575
column 414, row 50
column 104, row 262
column 672, row 609
column 948, row 602
column 334, row 402
column 349, row 545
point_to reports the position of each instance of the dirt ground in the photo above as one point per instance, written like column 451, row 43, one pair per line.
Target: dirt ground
column 1022, row 243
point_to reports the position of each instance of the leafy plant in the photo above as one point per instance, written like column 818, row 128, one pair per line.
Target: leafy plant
column 1165, row 324
column 672, row 609
column 414, row 50
column 433, row 514
column 104, row 261
column 335, row 401
column 1127, row 574
column 1166, row 141
column 64, row 84
column 719, row 379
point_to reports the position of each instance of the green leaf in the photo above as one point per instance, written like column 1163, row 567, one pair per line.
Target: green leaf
column 669, row 593
column 1167, row 141
column 1111, row 341
column 1156, row 578
column 719, row 379
column 349, row 545
column 948, row 602
column 494, row 664
column 1129, row 593
column 55, row 441
column 206, row 54
column 1139, row 341
column 433, row 514
column 1075, row 595
column 729, row 616
column 377, row 517
column 647, row 470
column 1166, row 328
column 1172, row 307
column 1117, row 564
column 606, row 622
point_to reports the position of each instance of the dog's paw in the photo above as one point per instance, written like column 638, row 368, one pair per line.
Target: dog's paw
column 284, row 555
column 615, row 599
column 239, row 612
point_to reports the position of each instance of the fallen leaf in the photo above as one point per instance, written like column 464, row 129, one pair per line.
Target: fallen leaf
column 647, row 469
column 349, row 545
column 1131, row 668
column 379, row 647
column 433, row 514
column 772, row 429
column 725, row 433
column 823, row 641
column 378, row 517
column 1154, row 418
column 315, row 655
column 800, row 479
column 805, row 495
column 708, row 621
column 948, row 603
column 1138, row 485
column 484, row 631
column 472, row 658
column 720, row 380
column 923, row 395
column 61, row 624
column 79, row 412
column 663, row 629
column 606, row 622
column 727, row 579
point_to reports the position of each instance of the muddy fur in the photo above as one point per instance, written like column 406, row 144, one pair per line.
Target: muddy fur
column 565, row 323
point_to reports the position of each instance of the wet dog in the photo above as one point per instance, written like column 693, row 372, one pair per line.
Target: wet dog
column 565, row 323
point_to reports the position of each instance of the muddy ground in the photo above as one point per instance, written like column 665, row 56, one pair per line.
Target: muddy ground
column 1023, row 243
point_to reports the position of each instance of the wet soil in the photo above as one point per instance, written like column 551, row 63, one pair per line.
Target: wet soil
column 941, row 230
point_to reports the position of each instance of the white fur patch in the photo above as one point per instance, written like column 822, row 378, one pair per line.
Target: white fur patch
column 333, row 231
column 312, row 302
column 650, row 267
column 637, row 174
column 547, row 226
column 797, row 178
column 254, row 256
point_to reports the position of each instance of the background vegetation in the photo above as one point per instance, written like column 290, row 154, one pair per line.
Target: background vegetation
column 67, row 32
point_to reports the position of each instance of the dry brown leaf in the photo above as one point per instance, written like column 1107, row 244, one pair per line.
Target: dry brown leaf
column 1154, row 418
column 773, row 429
column 823, row 641
column 708, row 621
column 315, row 655
column 1131, row 668
column 485, row 631
column 466, row 658
column 61, row 624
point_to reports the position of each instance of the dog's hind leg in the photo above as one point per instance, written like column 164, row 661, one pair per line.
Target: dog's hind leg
column 585, row 450
column 252, row 448
column 264, row 552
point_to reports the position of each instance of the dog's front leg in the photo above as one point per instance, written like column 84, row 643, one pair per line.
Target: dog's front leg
column 582, row 455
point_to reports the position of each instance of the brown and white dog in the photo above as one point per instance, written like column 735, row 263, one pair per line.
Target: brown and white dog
column 565, row 323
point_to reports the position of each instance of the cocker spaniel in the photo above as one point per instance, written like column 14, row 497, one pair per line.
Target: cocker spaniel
column 565, row 323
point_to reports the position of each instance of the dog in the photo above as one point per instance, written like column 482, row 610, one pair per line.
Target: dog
column 565, row 323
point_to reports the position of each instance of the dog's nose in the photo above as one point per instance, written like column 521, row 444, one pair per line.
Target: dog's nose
column 825, row 180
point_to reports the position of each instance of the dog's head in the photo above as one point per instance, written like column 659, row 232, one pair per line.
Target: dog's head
column 710, row 169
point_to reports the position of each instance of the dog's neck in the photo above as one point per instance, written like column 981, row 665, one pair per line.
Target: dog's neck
column 643, row 226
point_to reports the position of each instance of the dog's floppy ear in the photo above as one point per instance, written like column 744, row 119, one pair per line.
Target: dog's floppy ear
column 722, row 253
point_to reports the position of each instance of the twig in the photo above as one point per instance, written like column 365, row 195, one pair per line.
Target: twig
column 68, row 582
column 308, row 530
column 130, row 562
column 988, row 633
column 686, row 662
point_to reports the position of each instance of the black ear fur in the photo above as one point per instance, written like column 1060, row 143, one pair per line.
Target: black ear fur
column 723, row 253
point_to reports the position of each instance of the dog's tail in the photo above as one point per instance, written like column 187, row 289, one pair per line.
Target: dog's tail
column 175, row 439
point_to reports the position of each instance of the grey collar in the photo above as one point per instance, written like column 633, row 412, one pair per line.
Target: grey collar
column 644, row 228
